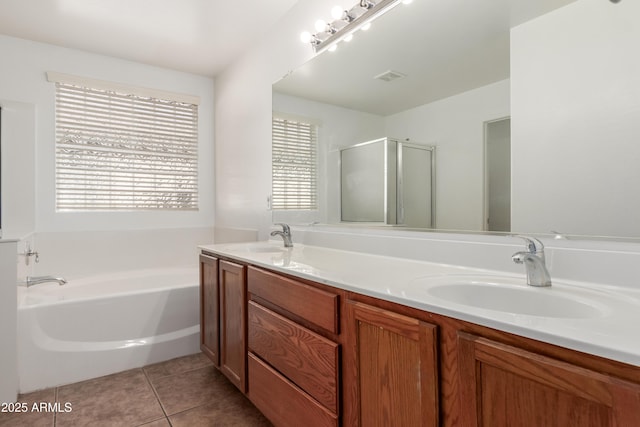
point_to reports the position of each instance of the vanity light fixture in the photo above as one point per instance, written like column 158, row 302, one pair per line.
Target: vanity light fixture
column 339, row 13
column 366, row 4
column 346, row 22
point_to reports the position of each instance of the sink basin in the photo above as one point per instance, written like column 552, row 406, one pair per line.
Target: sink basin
column 257, row 247
column 508, row 296
column 265, row 249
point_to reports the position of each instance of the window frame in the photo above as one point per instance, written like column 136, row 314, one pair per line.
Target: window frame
column 145, row 159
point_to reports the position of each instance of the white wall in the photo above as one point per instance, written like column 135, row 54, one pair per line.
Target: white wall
column 18, row 168
column 74, row 244
column 23, row 83
column 455, row 125
column 576, row 110
column 243, row 122
column 338, row 127
column 74, row 254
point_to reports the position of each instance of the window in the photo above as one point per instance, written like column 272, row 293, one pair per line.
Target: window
column 121, row 150
column 294, row 164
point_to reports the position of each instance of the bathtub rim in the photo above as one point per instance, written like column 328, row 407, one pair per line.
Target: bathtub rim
column 87, row 280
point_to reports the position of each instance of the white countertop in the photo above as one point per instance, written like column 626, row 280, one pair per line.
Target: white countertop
column 612, row 333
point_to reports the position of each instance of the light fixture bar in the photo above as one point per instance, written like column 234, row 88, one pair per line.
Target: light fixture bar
column 373, row 10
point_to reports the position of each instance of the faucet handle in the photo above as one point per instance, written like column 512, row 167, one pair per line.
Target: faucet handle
column 534, row 246
column 285, row 234
column 285, row 227
column 28, row 253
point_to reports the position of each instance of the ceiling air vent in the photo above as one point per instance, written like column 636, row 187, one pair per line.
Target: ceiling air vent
column 390, row 75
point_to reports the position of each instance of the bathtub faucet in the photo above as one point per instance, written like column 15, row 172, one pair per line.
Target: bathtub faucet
column 44, row 279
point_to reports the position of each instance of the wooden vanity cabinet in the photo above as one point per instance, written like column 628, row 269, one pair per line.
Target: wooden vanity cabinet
column 503, row 385
column 403, row 366
column 223, row 336
column 209, row 308
column 395, row 375
column 309, row 354
column 294, row 356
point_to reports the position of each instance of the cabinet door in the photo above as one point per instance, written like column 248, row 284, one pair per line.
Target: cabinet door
column 501, row 385
column 233, row 329
column 396, row 368
column 209, row 314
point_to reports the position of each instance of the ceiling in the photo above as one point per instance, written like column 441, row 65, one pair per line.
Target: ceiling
column 443, row 47
column 196, row 36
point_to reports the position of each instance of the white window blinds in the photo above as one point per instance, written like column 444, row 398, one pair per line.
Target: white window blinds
column 294, row 161
column 120, row 151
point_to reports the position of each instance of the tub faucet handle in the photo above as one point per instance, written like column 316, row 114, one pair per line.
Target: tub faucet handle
column 28, row 253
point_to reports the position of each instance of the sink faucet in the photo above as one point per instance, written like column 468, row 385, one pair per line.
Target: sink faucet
column 44, row 279
column 534, row 262
column 285, row 234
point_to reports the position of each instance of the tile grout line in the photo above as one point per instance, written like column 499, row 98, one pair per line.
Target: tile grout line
column 206, row 365
column 155, row 393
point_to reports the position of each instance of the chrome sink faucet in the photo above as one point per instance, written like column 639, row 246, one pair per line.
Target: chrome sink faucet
column 285, row 234
column 534, row 262
column 44, row 279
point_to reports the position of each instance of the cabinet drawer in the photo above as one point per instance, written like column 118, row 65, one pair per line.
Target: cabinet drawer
column 281, row 401
column 312, row 304
column 309, row 360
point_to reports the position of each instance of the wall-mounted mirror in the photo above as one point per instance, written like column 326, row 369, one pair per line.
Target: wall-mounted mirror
column 441, row 73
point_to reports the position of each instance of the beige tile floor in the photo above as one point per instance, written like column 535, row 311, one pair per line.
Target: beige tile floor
column 186, row 391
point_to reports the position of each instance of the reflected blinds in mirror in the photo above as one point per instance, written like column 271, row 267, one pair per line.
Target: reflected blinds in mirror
column 294, row 159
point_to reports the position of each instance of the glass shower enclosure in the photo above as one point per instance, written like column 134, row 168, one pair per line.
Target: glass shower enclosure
column 388, row 181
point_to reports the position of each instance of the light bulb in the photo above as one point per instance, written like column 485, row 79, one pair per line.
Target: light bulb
column 305, row 37
column 407, row 1
column 366, row 26
column 337, row 12
column 348, row 37
column 321, row 25
column 332, row 48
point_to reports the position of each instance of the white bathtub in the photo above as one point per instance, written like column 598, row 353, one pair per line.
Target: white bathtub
column 100, row 325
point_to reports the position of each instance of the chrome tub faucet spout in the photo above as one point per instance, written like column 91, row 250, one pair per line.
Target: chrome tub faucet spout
column 44, row 279
column 534, row 262
column 285, row 234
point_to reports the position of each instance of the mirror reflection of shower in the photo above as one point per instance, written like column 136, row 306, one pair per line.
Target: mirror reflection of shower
column 390, row 182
